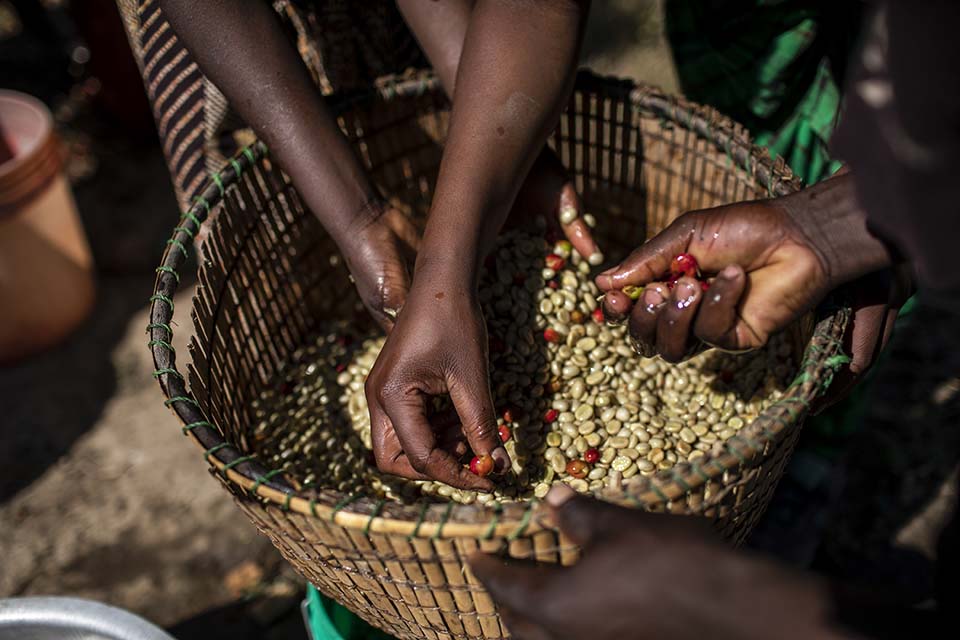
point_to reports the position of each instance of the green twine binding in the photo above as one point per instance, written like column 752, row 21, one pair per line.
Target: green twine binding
column 169, row 403
column 217, row 180
column 678, row 478
column 162, row 343
column 443, row 521
column 835, row 361
column 736, row 452
column 170, row 270
column 497, row 510
column 236, row 167
column 423, row 516
column 249, row 154
column 337, row 508
column 312, row 505
column 178, row 244
column 265, row 478
column 660, row 494
column 187, row 428
column 200, row 200
column 212, row 450
column 231, row 465
column 697, row 469
column 286, row 502
column 373, row 514
column 162, row 298
column 185, row 230
column 524, row 521
column 166, row 371
column 160, row 325
column 192, row 218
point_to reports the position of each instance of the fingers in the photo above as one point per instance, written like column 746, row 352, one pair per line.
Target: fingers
column 676, row 319
column 717, row 323
column 644, row 318
column 574, row 225
column 474, row 404
column 407, row 412
column 585, row 520
column 387, row 451
column 616, row 306
column 652, row 259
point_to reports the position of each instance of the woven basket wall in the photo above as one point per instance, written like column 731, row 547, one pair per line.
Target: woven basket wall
column 640, row 158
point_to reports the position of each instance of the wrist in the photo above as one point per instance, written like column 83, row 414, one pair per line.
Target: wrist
column 835, row 226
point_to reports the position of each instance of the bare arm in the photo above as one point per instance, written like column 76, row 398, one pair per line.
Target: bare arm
column 241, row 46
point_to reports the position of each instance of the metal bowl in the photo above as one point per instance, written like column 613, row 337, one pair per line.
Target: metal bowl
column 49, row 618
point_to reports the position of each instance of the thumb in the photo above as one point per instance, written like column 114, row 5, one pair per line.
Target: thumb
column 651, row 260
column 474, row 404
column 585, row 520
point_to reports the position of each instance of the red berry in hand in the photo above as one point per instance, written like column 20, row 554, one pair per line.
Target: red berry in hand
column 551, row 335
column 672, row 282
column 555, row 262
column 504, row 432
column 553, row 284
column 591, row 455
column 684, row 265
column 704, row 285
column 598, row 315
column 577, row 468
column 481, row 465
column 551, row 415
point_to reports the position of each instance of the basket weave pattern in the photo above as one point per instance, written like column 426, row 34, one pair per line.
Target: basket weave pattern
column 639, row 157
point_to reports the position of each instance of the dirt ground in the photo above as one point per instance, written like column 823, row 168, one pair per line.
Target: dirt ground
column 100, row 495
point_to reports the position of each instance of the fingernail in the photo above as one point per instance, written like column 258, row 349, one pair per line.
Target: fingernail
column 568, row 214
column 558, row 495
column 595, row 259
column 729, row 272
column 684, row 293
column 501, row 460
column 652, row 298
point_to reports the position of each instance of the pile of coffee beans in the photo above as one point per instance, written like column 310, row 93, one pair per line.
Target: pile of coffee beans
column 575, row 403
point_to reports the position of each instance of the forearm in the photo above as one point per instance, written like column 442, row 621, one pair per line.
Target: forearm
column 440, row 27
column 241, row 47
column 515, row 72
column 832, row 218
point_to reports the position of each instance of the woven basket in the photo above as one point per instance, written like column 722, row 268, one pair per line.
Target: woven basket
column 639, row 157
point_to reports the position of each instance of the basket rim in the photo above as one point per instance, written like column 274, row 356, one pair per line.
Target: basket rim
column 245, row 476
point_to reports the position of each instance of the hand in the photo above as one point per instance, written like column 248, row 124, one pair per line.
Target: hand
column 438, row 347
column 773, row 261
column 549, row 191
column 645, row 575
column 377, row 252
column 767, row 275
column 876, row 300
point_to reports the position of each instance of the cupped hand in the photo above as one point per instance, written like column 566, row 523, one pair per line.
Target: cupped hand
column 438, row 347
column 377, row 251
column 645, row 575
column 763, row 273
column 549, row 191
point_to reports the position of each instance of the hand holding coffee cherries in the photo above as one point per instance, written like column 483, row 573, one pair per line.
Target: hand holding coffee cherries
column 765, row 263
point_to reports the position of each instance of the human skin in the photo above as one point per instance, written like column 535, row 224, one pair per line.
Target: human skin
column 241, row 46
column 515, row 72
column 769, row 262
column 645, row 575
